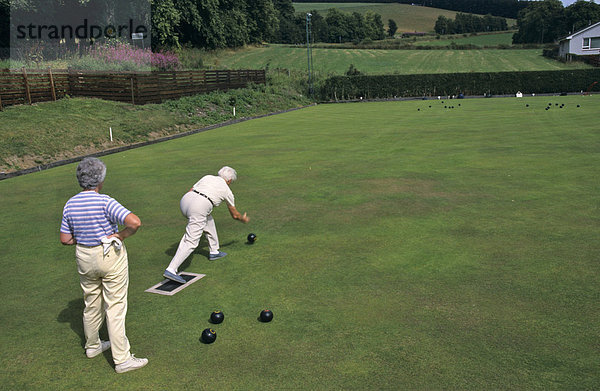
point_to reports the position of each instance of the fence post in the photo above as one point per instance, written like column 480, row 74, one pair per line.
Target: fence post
column 71, row 82
column 1, row 108
column 52, row 84
column 132, row 92
column 27, row 92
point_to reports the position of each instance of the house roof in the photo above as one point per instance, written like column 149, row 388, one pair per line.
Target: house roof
column 591, row 26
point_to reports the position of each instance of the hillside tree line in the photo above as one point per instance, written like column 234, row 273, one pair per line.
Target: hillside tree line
column 469, row 23
column 217, row 24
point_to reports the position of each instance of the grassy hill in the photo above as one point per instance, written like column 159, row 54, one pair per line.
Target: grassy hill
column 50, row 131
column 408, row 18
column 337, row 61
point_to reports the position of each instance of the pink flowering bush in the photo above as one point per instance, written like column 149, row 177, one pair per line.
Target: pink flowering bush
column 165, row 61
column 123, row 57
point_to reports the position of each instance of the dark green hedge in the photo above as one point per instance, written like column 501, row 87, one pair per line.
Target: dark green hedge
column 499, row 83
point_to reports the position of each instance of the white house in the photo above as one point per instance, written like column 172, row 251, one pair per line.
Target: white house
column 584, row 42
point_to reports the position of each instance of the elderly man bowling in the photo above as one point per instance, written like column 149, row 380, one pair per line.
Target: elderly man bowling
column 197, row 205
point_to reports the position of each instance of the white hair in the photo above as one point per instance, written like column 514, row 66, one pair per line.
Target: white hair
column 228, row 173
column 91, row 172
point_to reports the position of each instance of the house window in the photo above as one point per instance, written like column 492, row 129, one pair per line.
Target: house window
column 591, row 43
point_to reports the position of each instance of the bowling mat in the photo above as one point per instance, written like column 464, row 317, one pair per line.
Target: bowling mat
column 169, row 288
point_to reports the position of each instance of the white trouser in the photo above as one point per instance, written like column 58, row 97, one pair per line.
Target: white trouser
column 104, row 279
column 197, row 209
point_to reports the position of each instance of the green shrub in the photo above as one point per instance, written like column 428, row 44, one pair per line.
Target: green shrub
column 550, row 52
column 191, row 58
column 352, row 71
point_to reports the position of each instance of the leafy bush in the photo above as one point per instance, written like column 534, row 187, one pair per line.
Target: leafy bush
column 352, row 71
column 191, row 58
column 551, row 52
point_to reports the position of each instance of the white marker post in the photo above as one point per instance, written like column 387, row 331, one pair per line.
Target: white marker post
column 110, row 131
column 234, row 111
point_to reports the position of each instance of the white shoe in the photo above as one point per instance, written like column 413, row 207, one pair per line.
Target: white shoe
column 131, row 364
column 91, row 353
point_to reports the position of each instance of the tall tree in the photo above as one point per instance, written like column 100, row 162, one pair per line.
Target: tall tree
column 320, row 28
column 357, row 27
column 235, row 22
column 374, row 26
column 262, row 20
column 165, row 17
column 338, row 26
column 581, row 14
column 289, row 30
column 201, row 23
column 4, row 28
column 392, row 28
column 540, row 22
column 444, row 25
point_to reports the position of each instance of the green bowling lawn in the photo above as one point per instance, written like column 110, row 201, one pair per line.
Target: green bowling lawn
column 400, row 246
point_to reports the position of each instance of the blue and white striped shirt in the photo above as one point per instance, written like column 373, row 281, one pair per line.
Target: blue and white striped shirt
column 90, row 216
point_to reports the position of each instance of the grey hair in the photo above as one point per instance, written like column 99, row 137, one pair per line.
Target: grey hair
column 91, row 172
column 228, row 173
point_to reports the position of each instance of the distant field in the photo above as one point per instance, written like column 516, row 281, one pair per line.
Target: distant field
column 479, row 40
column 407, row 17
column 337, row 61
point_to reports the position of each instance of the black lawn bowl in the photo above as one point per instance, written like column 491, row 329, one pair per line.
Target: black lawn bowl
column 251, row 238
column 266, row 316
column 217, row 317
column 208, row 336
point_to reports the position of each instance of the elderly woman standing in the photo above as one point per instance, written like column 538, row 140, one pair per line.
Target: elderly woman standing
column 197, row 205
column 90, row 221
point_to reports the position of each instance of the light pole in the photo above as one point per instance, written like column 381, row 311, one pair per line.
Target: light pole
column 309, row 54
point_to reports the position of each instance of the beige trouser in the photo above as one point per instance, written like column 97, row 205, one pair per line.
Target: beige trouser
column 198, row 211
column 104, row 280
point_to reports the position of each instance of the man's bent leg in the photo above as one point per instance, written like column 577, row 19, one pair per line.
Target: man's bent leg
column 189, row 242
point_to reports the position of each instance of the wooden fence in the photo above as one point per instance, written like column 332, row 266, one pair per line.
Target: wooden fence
column 31, row 86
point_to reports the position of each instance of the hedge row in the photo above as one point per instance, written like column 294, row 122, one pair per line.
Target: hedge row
column 499, row 83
